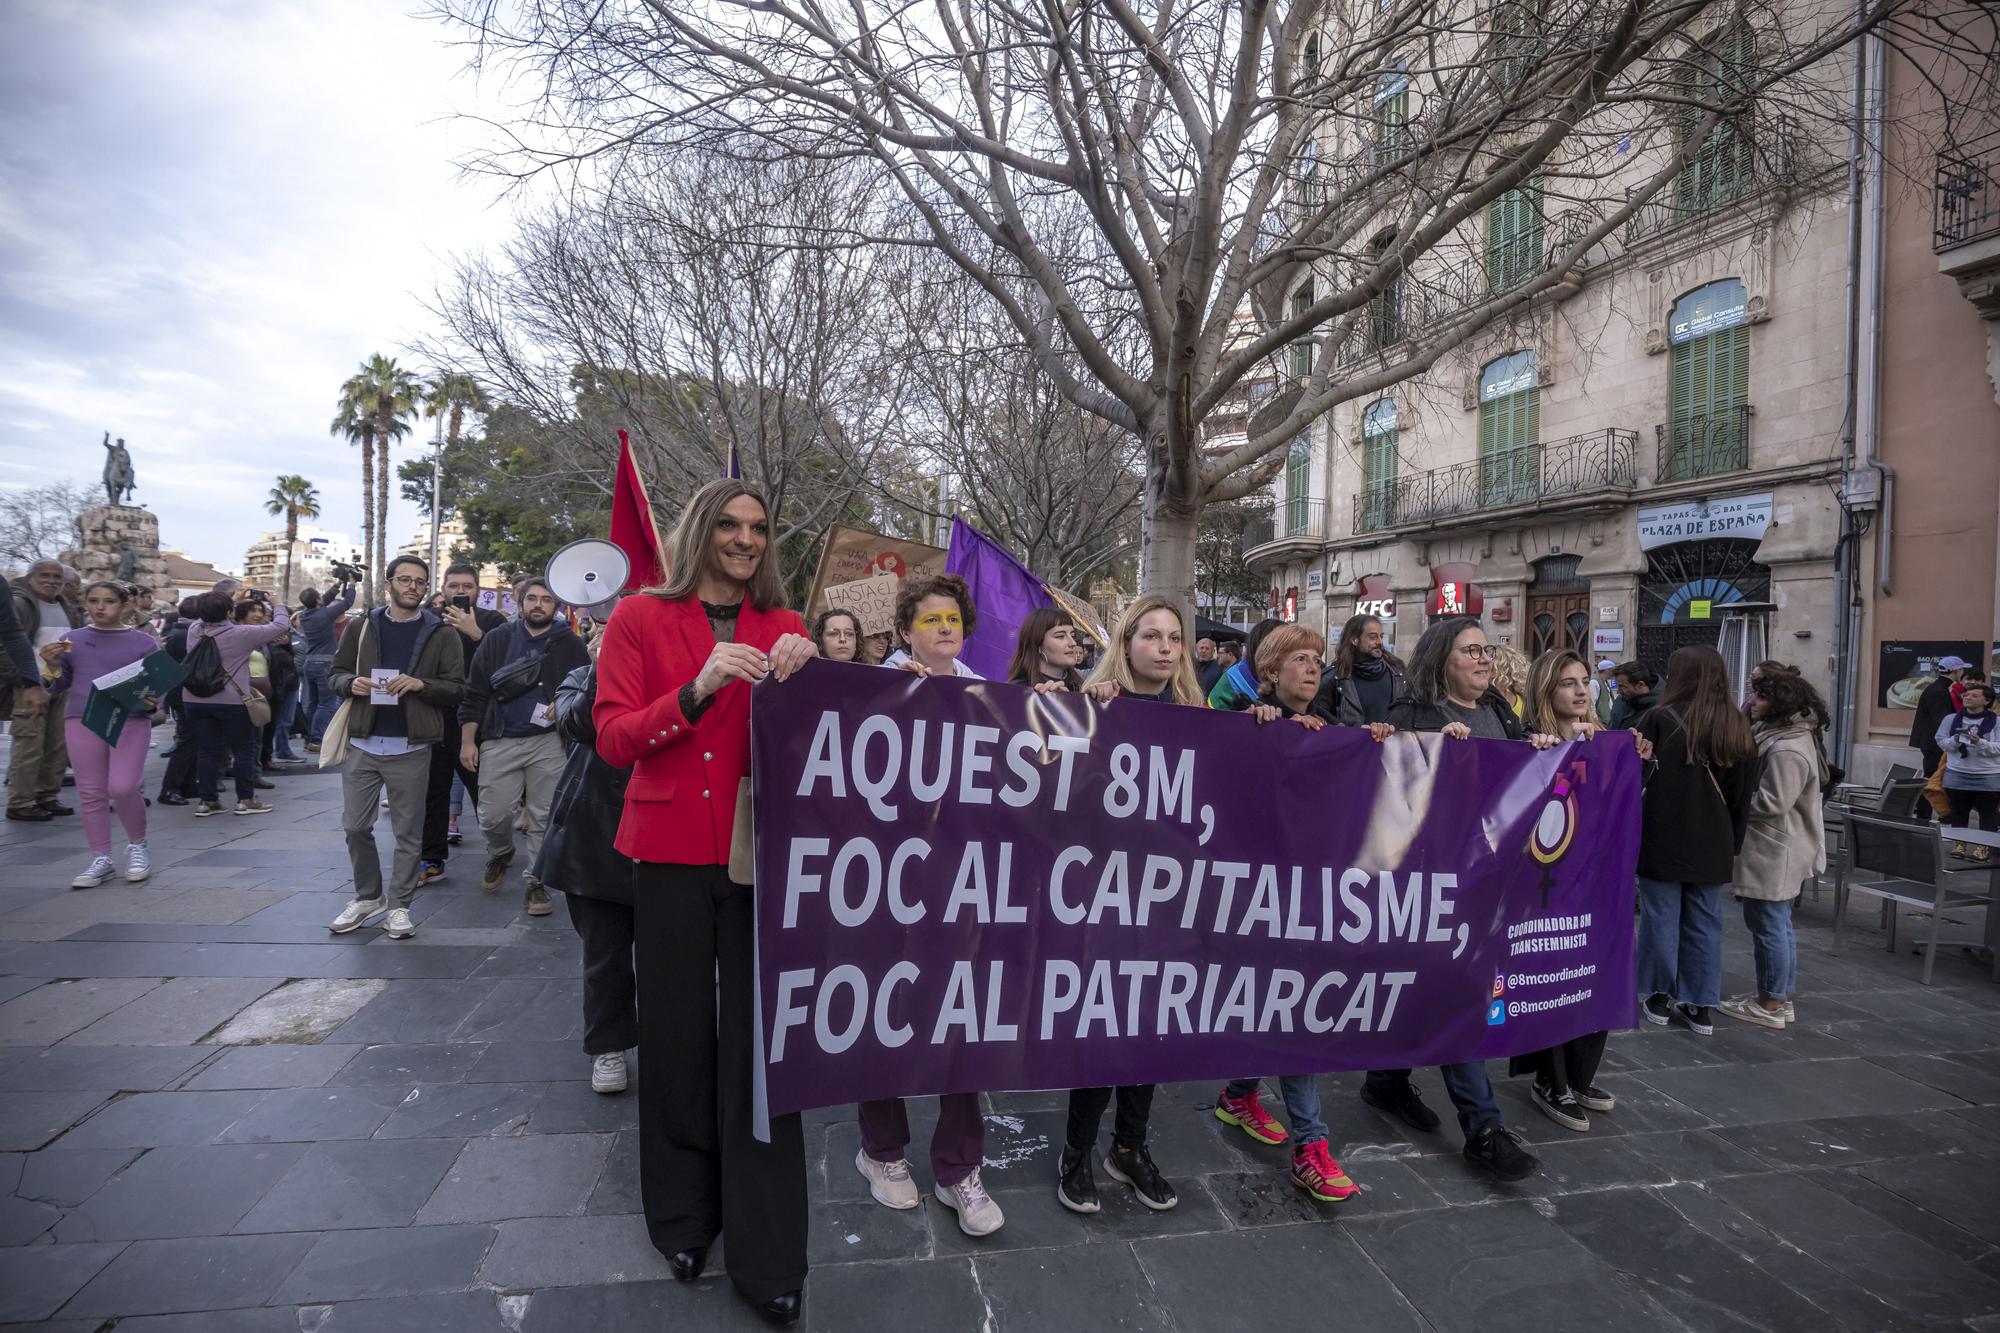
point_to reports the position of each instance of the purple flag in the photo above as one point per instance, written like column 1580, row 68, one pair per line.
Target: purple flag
column 1003, row 589
column 967, row 886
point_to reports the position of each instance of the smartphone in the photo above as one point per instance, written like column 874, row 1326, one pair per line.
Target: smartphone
column 462, row 602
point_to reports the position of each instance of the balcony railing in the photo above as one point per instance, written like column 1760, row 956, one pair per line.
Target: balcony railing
column 1295, row 518
column 1596, row 461
column 1703, row 446
column 1419, row 301
column 1734, row 171
column 1966, row 198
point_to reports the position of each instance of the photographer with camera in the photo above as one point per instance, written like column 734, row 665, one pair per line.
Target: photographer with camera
column 507, row 720
column 319, row 614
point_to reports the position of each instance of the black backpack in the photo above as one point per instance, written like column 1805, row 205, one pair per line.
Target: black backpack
column 205, row 676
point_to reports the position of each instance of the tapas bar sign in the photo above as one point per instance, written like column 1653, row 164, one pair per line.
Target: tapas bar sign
column 1735, row 516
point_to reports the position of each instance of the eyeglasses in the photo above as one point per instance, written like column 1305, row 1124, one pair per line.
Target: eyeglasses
column 1479, row 652
column 940, row 619
column 411, row 582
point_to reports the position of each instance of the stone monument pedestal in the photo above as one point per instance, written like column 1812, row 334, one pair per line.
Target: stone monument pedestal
column 114, row 538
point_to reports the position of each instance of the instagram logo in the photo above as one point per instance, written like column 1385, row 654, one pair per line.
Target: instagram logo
column 1499, row 984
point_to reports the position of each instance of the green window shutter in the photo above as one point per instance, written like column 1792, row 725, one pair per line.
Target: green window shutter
column 1514, row 237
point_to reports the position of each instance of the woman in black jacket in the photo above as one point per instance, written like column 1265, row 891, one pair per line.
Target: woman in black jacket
column 1451, row 691
column 1693, row 817
column 578, row 859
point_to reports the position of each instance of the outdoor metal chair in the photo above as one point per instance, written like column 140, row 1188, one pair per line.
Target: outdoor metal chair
column 1909, row 858
column 1896, row 798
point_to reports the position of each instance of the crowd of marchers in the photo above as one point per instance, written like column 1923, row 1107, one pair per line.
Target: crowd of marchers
column 622, row 752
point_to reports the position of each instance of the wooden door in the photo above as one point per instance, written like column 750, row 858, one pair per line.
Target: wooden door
column 1558, row 620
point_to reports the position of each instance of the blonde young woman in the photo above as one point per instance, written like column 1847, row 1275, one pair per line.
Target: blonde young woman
column 1148, row 660
column 1510, row 677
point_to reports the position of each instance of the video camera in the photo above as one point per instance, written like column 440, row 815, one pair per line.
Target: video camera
column 347, row 573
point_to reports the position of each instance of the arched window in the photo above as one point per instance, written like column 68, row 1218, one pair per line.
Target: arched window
column 1298, row 487
column 1302, row 348
column 1708, row 385
column 1378, row 467
column 1308, row 195
column 1510, row 429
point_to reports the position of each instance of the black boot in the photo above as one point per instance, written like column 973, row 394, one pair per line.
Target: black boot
column 687, row 1264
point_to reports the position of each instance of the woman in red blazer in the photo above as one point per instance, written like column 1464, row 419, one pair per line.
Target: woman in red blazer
column 673, row 704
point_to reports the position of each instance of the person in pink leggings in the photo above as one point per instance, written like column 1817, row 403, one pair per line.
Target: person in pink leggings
column 106, row 775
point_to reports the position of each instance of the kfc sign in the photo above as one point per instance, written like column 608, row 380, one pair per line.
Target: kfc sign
column 1453, row 593
column 1291, row 611
column 1374, row 597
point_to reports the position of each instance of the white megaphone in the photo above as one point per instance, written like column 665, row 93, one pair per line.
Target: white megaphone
column 589, row 574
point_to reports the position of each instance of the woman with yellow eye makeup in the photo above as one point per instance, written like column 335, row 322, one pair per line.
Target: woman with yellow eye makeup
column 933, row 618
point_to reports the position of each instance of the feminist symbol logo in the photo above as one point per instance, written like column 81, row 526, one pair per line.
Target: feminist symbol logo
column 1555, row 826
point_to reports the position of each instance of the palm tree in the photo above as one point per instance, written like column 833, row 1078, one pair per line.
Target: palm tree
column 450, row 395
column 356, row 423
column 295, row 498
column 394, row 394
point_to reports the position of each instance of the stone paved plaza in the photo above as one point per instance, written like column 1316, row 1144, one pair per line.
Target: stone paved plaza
column 216, row 1117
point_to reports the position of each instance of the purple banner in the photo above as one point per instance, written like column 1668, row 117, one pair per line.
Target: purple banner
column 967, row 886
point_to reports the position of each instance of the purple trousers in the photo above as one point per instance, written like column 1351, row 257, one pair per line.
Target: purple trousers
column 957, row 1145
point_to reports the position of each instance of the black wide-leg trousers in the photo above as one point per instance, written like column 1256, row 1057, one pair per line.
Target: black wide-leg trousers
column 702, row 1171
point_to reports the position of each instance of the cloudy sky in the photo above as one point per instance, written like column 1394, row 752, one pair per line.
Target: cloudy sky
column 210, row 211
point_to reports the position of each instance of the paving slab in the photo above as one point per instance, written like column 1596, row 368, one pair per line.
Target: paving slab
column 405, row 1064
column 1742, row 1095
column 181, row 1010
column 155, row 1119
column 538, row 1175
column 1204, row 1280
column 309, row 1115
column 173, row 1276
column 453, row 1110
column 1054, row 1291
column 572, row 1251
column 201, row 1190
column 454, row 1312
column 66, row 1179
column 361, row 1183
column 395, row 1261
column 47, row 1014
column 36, row 1281
column 28, row 1120
column 273, row 1066
column 924, row 1300
column 71, row 1068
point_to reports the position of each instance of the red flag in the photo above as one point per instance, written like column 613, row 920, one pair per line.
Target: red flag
column 632, row 528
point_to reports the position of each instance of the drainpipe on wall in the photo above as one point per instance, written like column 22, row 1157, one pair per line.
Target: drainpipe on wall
column 1885, row 541
column 1846, row 596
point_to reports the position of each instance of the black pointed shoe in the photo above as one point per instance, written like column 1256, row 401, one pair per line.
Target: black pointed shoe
column 781, row 1311
column 687, row 1264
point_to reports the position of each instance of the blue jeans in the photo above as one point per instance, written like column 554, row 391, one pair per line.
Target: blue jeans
column 1466, row 1084
column 1680, row 941
column 1776, row 947
column 320, row 702
column 1301, row 1094
column 281, row 725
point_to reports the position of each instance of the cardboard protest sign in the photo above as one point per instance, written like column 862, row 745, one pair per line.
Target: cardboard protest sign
column 856, row 553
column 872, row 599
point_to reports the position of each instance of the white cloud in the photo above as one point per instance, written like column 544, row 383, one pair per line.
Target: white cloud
column 209, row 213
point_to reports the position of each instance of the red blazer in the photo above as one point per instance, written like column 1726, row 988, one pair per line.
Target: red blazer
column 680, row 806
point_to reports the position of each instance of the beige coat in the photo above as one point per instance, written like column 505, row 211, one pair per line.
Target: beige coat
column 1786, row 841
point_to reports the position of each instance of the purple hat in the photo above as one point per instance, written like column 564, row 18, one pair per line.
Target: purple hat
column 1953, row 664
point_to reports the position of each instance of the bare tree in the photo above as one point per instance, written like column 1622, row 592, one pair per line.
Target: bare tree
column 39, row 522
column 1058, row 486
column 1124, row 181
column 699, row 308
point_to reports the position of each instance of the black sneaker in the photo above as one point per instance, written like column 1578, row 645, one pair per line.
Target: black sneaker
column 1561, row 1107
column 1494, row 1149
column 1656, row 1010
column 1595, row 1099
column 1135, row 1167
column 172, row 798
column 1076, row 1187
column 1696, row 1018
column 1405, row 1103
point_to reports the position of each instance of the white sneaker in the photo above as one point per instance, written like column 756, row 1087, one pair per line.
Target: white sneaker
column 139, row 863
column 399, row 926
column 1749, row 1010
column 889, row 1182
column 978, row 1215
column 356, row 914
column 100, row 870
column 607, row 1073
